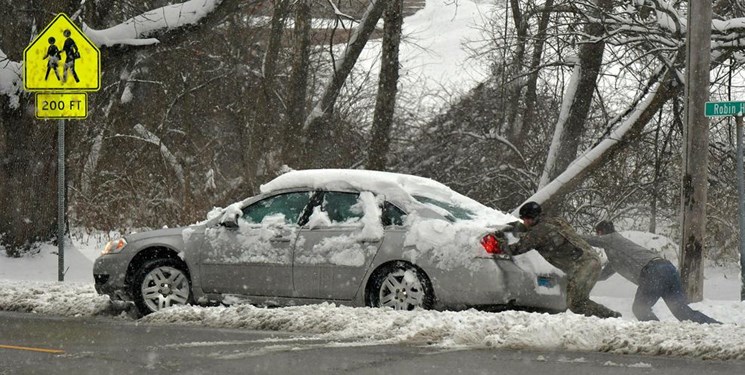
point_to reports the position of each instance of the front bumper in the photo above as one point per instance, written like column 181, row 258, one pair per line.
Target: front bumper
column 109, row 275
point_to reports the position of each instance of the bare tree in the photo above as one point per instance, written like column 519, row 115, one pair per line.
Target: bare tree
column 385, row 104
column 343, row 67
column 577, row 101
column 298, row 83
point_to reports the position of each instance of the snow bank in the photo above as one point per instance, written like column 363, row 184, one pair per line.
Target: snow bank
column 473, row 329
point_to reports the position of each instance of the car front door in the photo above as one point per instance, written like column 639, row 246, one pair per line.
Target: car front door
column 254, row 258
column 337, row 245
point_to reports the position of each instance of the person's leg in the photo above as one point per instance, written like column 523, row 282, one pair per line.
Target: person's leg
column 675, row 297
column 581, row 282
column 647, row 294
column 581, row 277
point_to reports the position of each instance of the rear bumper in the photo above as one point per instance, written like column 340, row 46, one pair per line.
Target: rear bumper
column 498, row 284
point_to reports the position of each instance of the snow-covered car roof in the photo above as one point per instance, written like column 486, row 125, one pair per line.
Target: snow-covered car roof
column 396, row 187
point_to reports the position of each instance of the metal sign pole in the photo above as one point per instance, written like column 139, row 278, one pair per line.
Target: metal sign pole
column 61, row 199
column 741, row 203
column 56, row 99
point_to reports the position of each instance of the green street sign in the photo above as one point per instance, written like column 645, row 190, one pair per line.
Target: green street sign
column 718, row 109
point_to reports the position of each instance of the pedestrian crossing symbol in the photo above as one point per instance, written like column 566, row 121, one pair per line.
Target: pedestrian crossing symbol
column 61, row 58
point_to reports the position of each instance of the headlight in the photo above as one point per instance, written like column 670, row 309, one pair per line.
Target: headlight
column 115, row 246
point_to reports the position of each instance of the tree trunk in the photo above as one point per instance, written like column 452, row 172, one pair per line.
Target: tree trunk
column 387, row 88
column 344, row 66
column 531, row 89
column 598, row 156
column 515, row 70
column 266, row 138
column 298, row 84
column 590, row 59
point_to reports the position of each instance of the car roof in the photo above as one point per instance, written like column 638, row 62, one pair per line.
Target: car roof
column 398, row 188
column 357, row 179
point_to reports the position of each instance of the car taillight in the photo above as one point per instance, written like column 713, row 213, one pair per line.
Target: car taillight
column 491, row 245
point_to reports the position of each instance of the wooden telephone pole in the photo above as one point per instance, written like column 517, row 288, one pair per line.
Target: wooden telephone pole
column 695, row 148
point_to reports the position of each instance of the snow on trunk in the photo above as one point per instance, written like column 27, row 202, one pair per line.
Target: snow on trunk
column 149, row 137
column 595, row 154
column 566, row 107
column 91, row 163
column 345, row 63
column 134, row 30
column 10, row 79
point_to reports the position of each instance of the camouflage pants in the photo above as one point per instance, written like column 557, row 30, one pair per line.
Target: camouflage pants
column 582, row 278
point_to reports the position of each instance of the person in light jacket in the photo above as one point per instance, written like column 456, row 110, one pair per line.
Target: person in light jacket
column 655, row 276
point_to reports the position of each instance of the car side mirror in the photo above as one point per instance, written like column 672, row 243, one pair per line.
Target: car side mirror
column 229, row 221
column 230, row 216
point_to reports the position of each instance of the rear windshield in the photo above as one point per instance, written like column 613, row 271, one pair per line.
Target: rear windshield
column 454, row 212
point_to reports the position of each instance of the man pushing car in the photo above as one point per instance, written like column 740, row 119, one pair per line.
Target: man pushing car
column 561, row 246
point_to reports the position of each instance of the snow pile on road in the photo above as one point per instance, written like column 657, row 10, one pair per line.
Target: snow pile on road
column 510, row 329
column 54, row 298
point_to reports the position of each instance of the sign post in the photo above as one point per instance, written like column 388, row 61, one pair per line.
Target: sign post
column 61, row 200
column 737, row 110
column 61, row 65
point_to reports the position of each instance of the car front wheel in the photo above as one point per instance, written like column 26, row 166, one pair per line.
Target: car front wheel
column 400, row 286
column 159, row 284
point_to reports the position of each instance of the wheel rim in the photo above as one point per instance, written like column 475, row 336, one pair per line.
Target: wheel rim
column 165, row 287
column 402, row 290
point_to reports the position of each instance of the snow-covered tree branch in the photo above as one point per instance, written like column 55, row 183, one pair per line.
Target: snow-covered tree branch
column 135, row 31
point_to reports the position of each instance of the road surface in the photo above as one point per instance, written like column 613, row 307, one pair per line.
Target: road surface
column 39, row 344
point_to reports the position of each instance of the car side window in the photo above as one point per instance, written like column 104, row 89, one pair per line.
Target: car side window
column 341, row 207
column 392, row 215
column 291, row 205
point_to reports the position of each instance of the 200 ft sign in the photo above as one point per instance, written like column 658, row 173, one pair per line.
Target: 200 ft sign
column 61, row 106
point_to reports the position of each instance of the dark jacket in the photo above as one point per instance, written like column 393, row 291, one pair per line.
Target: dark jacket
column 624, row 256
column 556, row 241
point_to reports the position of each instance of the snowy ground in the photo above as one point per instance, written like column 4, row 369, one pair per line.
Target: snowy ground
column 29, row 284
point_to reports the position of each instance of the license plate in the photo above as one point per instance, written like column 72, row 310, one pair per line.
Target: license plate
column 545, row 281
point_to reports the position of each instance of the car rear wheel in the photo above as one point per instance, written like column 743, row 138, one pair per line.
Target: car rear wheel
column 161, row 283
column 400, row 286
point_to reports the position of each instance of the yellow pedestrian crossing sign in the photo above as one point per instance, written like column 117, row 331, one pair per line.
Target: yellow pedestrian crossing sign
column 60, row 59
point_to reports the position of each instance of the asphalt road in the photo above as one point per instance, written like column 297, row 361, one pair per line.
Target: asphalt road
column 37, row 344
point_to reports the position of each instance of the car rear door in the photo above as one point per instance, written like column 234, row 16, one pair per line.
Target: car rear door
column 337, row 245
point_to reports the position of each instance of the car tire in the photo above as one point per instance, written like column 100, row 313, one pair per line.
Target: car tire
column 161, row 283
column 400, row 286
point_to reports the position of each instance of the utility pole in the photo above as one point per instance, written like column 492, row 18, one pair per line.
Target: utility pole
column 695, row 148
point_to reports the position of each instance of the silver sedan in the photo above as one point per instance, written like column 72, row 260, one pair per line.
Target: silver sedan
column 351, row 237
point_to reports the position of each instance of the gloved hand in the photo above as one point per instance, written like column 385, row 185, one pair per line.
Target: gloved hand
column 504, row 243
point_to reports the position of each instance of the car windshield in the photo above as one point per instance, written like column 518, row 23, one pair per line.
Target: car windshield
column 454, row 213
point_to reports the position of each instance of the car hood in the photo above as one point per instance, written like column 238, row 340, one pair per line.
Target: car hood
column 165, row 232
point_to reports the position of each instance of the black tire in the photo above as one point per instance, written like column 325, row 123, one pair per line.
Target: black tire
column 400, row 286
column 161, row 283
